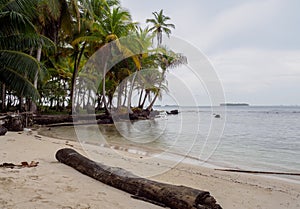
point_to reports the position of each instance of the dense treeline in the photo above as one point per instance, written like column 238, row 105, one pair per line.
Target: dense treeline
column 44, row 46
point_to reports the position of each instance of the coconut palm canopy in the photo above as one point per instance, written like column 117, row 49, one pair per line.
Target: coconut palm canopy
column 43, row 54
column 160, row 25
column 18, row 35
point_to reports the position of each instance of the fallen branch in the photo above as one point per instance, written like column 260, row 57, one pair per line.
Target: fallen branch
column 175, row 197
column 259, row 172
column 22, row 165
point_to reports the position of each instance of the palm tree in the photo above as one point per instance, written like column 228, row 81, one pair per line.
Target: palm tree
column 113, row 24
column 18, row 36
column 52, row 17
column 105, row 21
column 160, row 26
column 141, row 46
column 168, row 59
column 149, row 81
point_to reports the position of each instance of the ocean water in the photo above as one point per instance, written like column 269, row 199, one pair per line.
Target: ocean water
column 250, row 137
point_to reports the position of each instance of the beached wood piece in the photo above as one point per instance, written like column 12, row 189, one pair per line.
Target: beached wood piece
column 3, row 130
column 260, row 172
column 24, row 164
column 51, row 119
column 14, row 123
column 69, row 119
column 175, row 197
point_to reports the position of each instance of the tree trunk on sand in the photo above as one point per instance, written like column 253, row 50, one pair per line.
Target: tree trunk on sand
column 175, row 197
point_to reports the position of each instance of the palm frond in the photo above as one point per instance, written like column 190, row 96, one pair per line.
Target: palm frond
column 25, row 7
column 22, row 42
column 88, row 39
column 18, row 82
column 12, row 22
column 19, row 62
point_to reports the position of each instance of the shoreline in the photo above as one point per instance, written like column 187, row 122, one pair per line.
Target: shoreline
column 135, row 148
column 55, row 185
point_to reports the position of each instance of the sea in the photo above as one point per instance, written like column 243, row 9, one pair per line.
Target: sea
column 257, row 138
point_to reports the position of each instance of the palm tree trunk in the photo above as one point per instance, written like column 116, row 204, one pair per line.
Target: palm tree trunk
column 125, row 94
column 35, row 82
column 144, row 100
column 153, row 101
column 3, row 96
column 77, row 60
column 103, row 90
column 21, row 104
column 140, row 99
column 120, row 90
column 159, row 88
column 130, row 94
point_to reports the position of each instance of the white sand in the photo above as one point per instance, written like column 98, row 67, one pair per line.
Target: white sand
column 55, row 185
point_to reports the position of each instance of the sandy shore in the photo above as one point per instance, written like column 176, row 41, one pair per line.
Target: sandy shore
column 55, row 185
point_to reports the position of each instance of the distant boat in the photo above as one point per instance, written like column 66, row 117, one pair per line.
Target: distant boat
column 234, row 104
column 172, row 112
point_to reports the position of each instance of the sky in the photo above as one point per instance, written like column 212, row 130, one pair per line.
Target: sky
column 253, row 47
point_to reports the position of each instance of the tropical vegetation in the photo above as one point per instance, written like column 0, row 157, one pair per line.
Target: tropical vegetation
column 45, row 46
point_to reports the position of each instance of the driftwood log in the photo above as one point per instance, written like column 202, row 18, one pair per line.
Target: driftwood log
column 69, row 119
column 172, row 196
column 260, row 172
column 86, row 119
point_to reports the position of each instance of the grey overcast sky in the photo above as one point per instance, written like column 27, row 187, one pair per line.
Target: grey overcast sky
column 254, row 45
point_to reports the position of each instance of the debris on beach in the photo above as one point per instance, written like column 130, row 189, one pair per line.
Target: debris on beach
column 3, row 130
column 21, row 165
column 158, row 193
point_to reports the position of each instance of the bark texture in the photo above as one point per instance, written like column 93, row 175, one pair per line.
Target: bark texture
column 175, row 197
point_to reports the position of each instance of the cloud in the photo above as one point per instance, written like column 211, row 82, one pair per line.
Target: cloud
column 253, row 44
column 251, row 70
column 239, row 19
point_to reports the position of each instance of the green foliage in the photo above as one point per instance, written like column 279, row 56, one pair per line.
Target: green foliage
column 17, row 34
column 79, row 28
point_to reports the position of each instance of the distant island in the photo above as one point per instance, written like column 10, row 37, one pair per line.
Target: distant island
column 234, row 104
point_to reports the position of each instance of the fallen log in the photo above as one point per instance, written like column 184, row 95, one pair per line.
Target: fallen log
column 69, row 119
column 175, row 197
column 259, row 172
column 52, row 119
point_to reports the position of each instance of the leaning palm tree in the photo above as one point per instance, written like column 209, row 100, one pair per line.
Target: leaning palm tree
column 160, row 26
column 167, row 59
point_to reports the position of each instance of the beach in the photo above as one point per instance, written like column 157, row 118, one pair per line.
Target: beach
column 55, row 185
